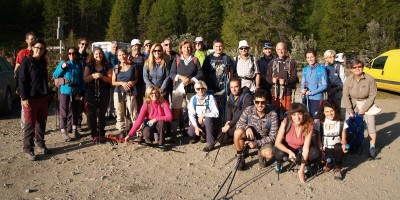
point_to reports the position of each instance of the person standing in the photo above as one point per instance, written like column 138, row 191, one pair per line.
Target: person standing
column 68, row 77
column 167, row 48
column 200, row 53
column 246, row 67
column 97, row 75
column 282, row 76
column 30, row 37
column 112, row 58
column 359, row 92
column 336, row 76
column 263, row 63
column 137, row 59
column 34, row 91
column 147, row 46
column 82, row 59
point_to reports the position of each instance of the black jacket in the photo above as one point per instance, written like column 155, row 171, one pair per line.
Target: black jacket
column 33, row 78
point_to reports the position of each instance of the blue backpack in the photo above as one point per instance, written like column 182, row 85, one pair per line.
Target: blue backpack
column 355, row 132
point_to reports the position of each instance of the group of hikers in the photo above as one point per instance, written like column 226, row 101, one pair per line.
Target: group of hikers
column 156, row 94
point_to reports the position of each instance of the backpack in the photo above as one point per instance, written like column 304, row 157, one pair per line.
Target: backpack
column 206, row 104
column 355, row 132
column 325, row 137
column 237, row 105
column 178, row 60
column 333, row 76
column 275, row 64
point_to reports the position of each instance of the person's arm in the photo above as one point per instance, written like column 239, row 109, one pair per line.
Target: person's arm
column 371, row 96
column 199, row 73
column 346, row 98
column 271, row 137
column 344, row 137
column 306, row 150
column 139, row 120
column 24, row 80
column 58, row 73
column 146, row 74
column 107, row 79
column 87, row 76
column 324, row 82
column 166, row 80
column 242, row 122
column 293, row 78
column 174, row 71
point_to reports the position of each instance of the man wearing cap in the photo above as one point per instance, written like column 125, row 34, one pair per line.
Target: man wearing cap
column 137, row 59
column 200, row 53
column 147, row 46
column 263, row 66
column 246, row 67
column 282, row 75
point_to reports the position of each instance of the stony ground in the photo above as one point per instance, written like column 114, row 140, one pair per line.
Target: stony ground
column 82, row 170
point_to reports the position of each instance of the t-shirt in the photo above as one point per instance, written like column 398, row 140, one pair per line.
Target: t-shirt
column 24, row 53
column 215, row 69
column 332, row 132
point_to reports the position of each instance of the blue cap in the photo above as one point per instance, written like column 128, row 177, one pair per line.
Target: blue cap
column 267, row 45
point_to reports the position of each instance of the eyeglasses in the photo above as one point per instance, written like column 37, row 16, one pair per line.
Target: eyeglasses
column 84, row 44
column 71, row 53
column 260, row 102
column 355, row 67
column 157, row 51
column 198, row 89
column 243, row 48
column 167, row 45
column 40, row 48
column 199, row 43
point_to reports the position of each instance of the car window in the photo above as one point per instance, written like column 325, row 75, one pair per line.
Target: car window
column 379, row 63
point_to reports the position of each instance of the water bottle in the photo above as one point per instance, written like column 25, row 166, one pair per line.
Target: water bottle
column 347, row 146
column 328, row 160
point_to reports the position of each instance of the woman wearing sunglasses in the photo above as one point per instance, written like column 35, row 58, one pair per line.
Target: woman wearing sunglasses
column 359, row 92
column 203, row 116
column 156, row 70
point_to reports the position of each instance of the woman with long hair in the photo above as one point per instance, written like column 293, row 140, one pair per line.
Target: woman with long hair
column 153, row 115
column 124, row 79
column 156, row 69
column 97, row 75
column 294, row 140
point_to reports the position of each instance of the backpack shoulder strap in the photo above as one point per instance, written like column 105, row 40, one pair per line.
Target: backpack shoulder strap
column 178, row 61
column 287, row 126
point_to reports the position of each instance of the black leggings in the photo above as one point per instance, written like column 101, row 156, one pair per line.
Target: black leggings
column 336, row 154
column 313, row 155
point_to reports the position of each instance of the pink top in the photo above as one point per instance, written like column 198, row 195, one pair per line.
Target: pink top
column 156, row 111
column 292, row 140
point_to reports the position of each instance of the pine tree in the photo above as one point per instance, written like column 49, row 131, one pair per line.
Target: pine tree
column 121, row 24
column 143, row 16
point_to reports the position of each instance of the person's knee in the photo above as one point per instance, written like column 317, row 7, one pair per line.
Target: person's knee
column 239, row 132
column 267, row 153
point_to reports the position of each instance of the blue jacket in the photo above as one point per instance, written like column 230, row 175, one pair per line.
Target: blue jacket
column 73, row 73
column 315, row 80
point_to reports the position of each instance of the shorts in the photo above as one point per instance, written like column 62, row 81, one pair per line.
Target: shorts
column 313, row 106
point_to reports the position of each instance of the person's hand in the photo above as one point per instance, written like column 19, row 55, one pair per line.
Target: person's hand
column 252, row 144
column 274, row 80
column 344, row 148
column 25, row 103
column 64, row 65
column 201, row 119
column 249, row 134
column 127, row 138
column 152, row 122
column 292, row 156
column 197, row 130
column 303, row 91
column 351, row 114
column 126, row 86
column 302, row 177
column 97, row 75
column 361, row 112
column 225, row 129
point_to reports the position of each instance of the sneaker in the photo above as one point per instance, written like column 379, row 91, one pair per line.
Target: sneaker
column 147, row 142
column 242, row 162
column 307, row 171
column 65, row 136
column 162, row 147
column 102, row 139
column 261, row 160
column 208, row 148
column 77, row 134
column 45, row 150
column 338, row 174
column 278, row 167
column 30, row 156
column 372, row 152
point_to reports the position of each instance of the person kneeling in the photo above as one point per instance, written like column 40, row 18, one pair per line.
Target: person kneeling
column 257, row 128
column 203, row 116
column 294, row 140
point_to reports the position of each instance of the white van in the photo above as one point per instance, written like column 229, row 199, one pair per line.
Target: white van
column 106, row 46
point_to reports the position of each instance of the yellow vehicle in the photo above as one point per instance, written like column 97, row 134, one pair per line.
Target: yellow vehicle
column 386, row 70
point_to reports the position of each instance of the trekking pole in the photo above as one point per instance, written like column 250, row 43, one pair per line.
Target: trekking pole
column 97, row 105
column 57, row 110
column 234, row 173
column 220, row 144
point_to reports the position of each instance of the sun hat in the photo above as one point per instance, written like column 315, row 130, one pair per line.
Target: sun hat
column 243, row 43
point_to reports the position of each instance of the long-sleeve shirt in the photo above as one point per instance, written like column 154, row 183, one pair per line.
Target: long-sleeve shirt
column 287, row 70
column 208, row 108
column 315, row 79
column 362, row 90
column 154, row 110
column 190, row 70
column 158, row 76
column 72, row 72
column 33, row 78
column 236, row 107
column 266, row 126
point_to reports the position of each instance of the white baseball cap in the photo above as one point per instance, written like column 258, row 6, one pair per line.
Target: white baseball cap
column 243, row 43
column 147, row 42
column 135, row 42
column 199, row 39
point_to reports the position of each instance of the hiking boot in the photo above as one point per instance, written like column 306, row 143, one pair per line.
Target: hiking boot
column 102, row 139
column 242, row 163
column 138, row 139
column 338, row 174
column 278, row 167
column 162, row 147
column 147, row 142
column 261, row 160
column 65, row 136
column 372, row 152
column 307, row 171
column 208, row 148
column 193, row 140
column 203, row 140
column 45, row 150
column 30, row 156
column 77, row 134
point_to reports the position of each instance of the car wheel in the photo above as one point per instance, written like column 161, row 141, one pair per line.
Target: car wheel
column 7, row 107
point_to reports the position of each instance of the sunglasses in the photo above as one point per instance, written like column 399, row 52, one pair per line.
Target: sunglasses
column 84, row 44
column 157, row 51
column 71, row 53
column 167, row 45
column 40, row 48
column 260, row 102
column 243, row 48
column 198, row 89
column 355, row 67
